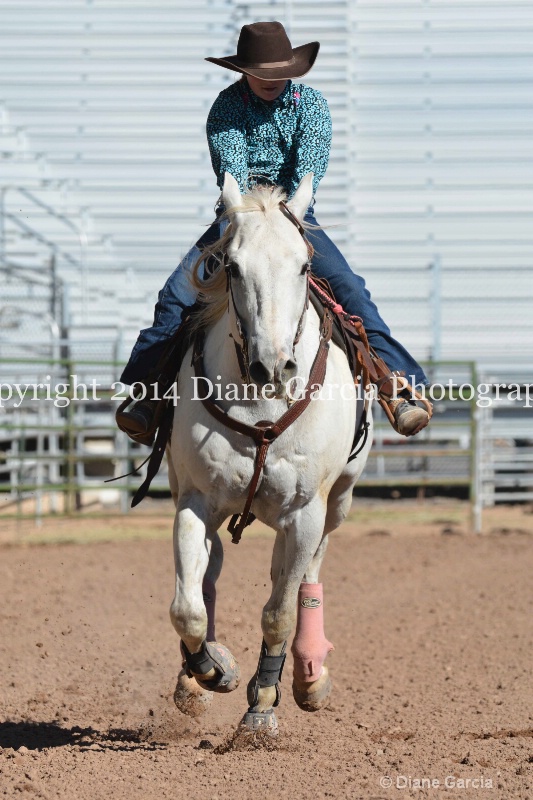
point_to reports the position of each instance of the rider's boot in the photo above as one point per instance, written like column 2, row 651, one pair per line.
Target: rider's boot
column 409, row 416
column 407, row 410
column 142, row 420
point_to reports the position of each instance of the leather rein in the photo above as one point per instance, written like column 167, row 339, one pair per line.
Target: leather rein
column 265, row 432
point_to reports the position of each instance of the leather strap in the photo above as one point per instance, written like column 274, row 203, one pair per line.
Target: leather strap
column 156, row 456
column 200, row 663
column 351, row 326
column 265, row 432
column 293, row 218
column 270, row 668
column 268, row 673
column 296, row 222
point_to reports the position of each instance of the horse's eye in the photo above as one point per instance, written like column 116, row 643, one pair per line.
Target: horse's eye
column 233, row 270
column 305, row 269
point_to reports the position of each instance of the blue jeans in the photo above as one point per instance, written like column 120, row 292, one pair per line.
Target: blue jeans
column 328, row 262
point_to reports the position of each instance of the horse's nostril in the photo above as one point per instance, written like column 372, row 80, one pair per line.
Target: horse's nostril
column 289, row 370
column 291, row 366
column 259, row 373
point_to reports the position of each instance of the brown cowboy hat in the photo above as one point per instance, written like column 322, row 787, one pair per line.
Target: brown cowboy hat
column 264, row 51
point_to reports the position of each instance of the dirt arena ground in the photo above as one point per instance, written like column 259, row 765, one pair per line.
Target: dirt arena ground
column 432, row 672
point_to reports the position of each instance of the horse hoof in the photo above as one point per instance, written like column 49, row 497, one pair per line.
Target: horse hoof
column 189, row 697
column 254, row 721
column 313, row 696
column 230, row 671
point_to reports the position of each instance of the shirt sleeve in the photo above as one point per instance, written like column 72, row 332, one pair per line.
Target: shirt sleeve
column 313, row 139
column 226, row 137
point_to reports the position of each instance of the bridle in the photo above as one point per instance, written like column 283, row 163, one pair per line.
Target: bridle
column 241, row 348
column 265, row 432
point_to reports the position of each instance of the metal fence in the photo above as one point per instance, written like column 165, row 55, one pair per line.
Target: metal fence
column 59, row 443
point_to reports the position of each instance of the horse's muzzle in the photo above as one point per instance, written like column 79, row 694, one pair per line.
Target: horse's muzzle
column 279, row 376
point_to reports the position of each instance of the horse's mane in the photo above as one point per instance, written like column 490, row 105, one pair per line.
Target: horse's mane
column 212, row 289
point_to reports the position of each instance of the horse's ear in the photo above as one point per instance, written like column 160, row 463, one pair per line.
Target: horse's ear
column 231, row 194
column 302, row 197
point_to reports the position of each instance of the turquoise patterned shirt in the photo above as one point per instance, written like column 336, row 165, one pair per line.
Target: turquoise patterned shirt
column 275, row 142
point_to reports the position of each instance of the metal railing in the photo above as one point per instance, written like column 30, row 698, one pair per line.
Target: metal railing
column 56, row 425
column 59, row 442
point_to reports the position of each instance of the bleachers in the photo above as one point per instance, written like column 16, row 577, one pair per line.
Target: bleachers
column 48, row 243
column 431, row 157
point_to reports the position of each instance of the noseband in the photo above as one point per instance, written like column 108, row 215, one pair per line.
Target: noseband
column 241, row 349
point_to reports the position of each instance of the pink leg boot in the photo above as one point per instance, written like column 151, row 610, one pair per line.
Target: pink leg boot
column 311, row 685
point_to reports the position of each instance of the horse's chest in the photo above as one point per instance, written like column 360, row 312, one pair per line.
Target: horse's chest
column 286, row 472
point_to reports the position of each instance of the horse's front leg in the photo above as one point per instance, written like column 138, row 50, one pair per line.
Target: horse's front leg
column 302, row 534
column 207, row 665
column 311, row 686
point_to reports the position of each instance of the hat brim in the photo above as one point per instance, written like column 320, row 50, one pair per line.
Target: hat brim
column 303, row 59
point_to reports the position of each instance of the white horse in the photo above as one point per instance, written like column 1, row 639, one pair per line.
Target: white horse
column 305, row 488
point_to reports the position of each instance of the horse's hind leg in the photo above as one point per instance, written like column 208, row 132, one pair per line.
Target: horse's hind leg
column 311, row 685
column 208, row 666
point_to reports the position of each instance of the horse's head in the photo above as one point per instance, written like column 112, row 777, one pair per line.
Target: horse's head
column 267, row 261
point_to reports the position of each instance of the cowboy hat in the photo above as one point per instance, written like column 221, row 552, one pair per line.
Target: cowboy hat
column 264, row 51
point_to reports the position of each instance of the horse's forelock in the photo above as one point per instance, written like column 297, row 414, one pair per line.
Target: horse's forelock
column 260, row 198
column 212, row 290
